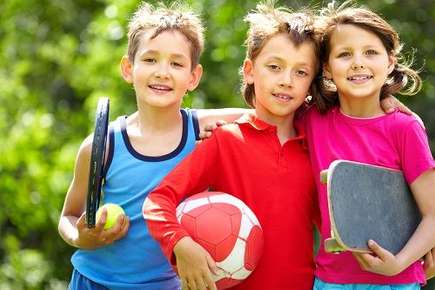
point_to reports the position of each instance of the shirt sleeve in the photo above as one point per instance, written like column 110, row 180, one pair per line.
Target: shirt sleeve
column 415, row 152
column 193, row 175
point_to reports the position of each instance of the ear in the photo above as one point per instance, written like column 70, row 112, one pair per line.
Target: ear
column 326, row 71
column 248, row 71
column 195, row 77
column 392, row 61
column 126, row 69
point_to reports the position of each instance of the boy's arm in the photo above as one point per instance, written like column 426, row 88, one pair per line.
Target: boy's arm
column 193, row 175
column 207, row 117
column 72, row 224
column 391, row 103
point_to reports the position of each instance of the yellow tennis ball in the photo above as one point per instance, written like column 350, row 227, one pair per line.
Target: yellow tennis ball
column 113, row 211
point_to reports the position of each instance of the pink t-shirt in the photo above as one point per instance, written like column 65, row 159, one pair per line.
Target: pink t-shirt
column 394, row 140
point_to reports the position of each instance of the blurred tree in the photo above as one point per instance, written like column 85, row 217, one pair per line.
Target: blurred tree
column 58, row 57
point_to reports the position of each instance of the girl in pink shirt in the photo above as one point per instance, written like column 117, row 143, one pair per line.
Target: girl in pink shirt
column 361, row 66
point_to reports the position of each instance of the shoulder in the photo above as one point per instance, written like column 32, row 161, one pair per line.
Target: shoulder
column 402, row 122
column 86, row 146
column 229, row 129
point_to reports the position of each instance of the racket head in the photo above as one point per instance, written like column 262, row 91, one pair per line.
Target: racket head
column 96, row 165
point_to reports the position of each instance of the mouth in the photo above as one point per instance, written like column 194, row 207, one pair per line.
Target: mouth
column 360, row 78
column 283, row 97
column 160, row 88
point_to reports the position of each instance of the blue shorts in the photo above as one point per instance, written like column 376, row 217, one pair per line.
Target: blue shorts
column 80, row 282
column 320, row 285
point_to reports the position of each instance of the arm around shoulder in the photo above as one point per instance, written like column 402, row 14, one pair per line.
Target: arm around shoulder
column 211, row 116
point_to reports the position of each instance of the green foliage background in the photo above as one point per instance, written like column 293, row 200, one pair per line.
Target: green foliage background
column 58, row 57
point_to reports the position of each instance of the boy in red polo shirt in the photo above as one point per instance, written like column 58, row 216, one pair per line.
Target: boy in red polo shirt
column 261, row 159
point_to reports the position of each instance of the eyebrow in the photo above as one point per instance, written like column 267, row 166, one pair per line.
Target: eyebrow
column 280, row 59
column 350, row 48
column 154, row 52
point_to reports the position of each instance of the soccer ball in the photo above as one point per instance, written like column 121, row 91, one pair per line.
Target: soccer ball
column 228, row 230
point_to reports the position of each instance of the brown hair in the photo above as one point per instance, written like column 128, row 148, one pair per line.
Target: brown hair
column 402, row 79
column 267, row 21
column 163, row 18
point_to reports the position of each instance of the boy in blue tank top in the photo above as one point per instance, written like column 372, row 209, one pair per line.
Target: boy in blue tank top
column 162, row 64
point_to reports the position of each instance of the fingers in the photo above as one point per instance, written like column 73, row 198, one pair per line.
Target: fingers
column 211, row 264
column 81, row 222
column 220, row 123
column 118, row 231
column 209, row 282
column 208, row 129
column 124, row 225
column 429, row 260
column 99, row 226
column 199, row 283
column 205, row 135
column 361, row 261
column 379, row 251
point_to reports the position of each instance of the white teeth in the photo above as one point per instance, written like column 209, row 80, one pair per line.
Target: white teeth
column 160, row 87
column 284, row 97
column 359, row 78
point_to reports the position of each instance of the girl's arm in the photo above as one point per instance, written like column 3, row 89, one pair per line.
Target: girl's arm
column 420, row 243
column 194, row 174
column 72, row 224
column 429, row 264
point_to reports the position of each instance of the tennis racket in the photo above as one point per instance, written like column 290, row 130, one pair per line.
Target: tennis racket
column 97, row 160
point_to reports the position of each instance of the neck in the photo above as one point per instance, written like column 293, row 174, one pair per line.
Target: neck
column 151, row 119
column 361, row 107
column 284, row 124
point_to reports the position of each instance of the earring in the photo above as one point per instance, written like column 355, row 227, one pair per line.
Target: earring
column 308, row 99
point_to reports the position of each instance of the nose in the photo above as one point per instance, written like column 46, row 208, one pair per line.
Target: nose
column 162, row 71
column 357, row 63
column 287, row 79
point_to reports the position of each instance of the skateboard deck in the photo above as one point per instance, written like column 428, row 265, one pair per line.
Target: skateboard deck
column 368, row 202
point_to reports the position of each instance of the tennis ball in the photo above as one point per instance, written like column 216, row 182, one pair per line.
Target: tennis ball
column 113, row 211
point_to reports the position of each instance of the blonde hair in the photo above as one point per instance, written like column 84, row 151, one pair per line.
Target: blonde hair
column 163, row 18
column 267, row 21
column 403, row 79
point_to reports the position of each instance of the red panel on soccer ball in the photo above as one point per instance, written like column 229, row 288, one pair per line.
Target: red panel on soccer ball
column 209, row 230
column 228, row 230
column 254, row 248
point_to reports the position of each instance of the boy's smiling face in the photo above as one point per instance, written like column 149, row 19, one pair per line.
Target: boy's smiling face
column 161, row 72
column 282, row 74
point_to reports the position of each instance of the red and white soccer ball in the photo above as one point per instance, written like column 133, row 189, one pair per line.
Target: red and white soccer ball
column 228, row 229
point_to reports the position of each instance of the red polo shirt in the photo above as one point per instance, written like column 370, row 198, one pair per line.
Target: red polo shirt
column 246, row 160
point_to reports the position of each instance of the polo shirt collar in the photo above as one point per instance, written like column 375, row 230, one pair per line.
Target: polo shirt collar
column 252, row 120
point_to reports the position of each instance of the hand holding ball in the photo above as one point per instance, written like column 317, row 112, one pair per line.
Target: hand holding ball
column 113, row 211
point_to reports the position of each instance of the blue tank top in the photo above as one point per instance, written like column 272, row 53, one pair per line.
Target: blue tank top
column 135, row 261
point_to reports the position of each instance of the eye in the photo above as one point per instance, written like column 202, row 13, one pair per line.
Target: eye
column 301, row 73
column 371, row 52
column 274, row 67
column 343, row 54
column 177, row 64
column 149, row 60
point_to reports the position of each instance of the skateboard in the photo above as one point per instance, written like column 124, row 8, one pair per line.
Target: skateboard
column 368, row 202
